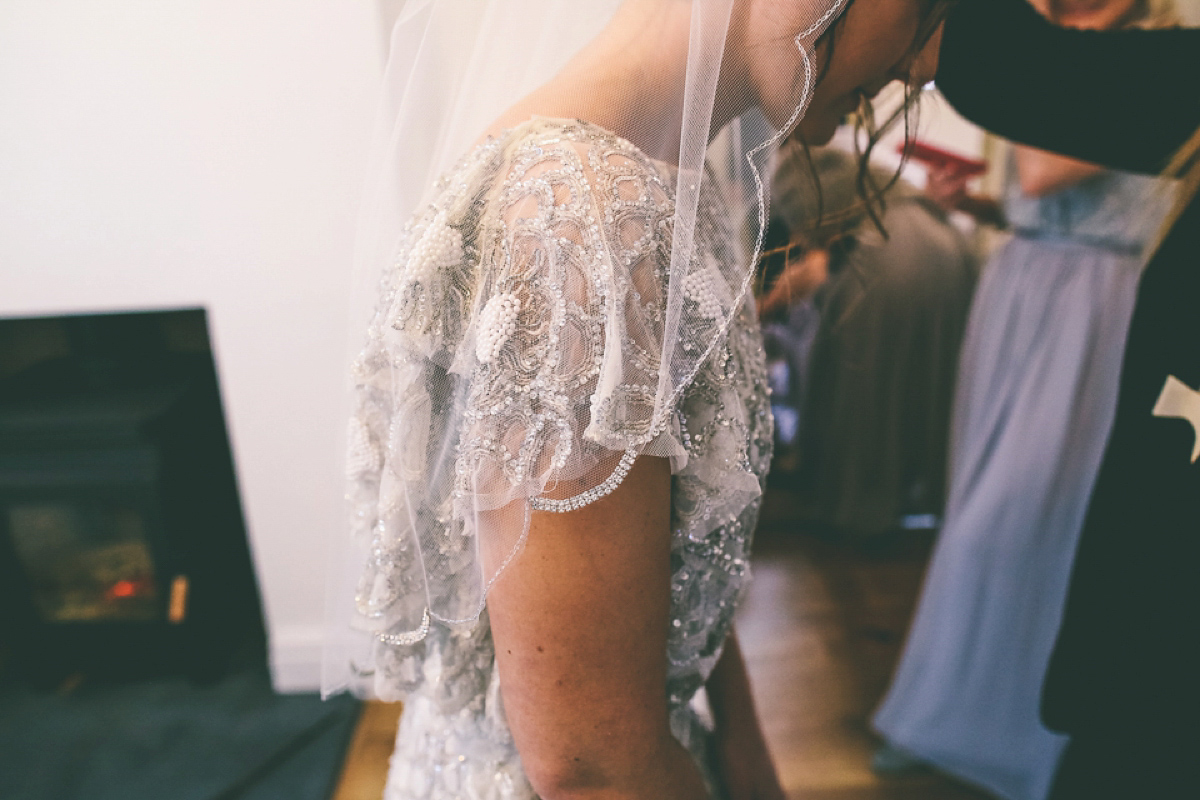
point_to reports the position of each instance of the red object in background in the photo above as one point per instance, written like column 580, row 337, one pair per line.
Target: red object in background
column 125, row 588
column 942, row 159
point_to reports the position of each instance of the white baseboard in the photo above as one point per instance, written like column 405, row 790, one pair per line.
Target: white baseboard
column 295, row 654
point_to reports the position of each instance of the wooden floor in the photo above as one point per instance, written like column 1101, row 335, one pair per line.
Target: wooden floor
column 821, row 630
column 365, row 769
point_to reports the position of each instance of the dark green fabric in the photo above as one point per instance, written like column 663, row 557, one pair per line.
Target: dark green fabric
column 235, row 740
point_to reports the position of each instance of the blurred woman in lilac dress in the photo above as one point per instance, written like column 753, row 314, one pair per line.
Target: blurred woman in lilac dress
column 1035, row 400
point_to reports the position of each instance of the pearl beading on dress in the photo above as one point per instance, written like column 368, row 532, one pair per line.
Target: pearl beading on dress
column 363, row 457
column 440, row 247
column 497, row 324
column 699, row 288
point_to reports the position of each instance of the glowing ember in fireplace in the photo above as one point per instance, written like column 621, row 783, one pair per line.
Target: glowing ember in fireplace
column 125, row 588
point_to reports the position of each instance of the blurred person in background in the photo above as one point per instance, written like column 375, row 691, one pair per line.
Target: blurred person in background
column 1122, row 678
column 1035, row 402
column 874, row 416
column 814, row 238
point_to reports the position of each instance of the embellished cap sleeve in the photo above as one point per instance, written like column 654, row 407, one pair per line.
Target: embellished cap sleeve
column 513, row 367
column 565, row 339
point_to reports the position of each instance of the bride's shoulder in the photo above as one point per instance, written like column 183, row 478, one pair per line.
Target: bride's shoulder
column 549, row 165
column 569, row 176
column 546, row 153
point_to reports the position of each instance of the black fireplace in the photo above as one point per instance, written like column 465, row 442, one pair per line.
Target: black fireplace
column 123, row 551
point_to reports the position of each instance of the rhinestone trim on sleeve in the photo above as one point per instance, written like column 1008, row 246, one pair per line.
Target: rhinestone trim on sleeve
column 591, row 495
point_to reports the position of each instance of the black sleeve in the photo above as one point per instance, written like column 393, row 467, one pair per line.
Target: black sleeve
column 1125, row 99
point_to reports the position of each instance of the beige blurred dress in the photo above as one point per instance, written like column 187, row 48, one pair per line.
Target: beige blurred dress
column 876, row 423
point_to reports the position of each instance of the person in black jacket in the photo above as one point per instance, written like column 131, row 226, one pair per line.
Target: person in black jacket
column 1124, row 676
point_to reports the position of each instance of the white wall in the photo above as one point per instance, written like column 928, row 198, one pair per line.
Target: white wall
column 206, row 153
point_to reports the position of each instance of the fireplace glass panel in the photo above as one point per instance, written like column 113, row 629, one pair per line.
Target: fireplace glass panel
column 86, row 561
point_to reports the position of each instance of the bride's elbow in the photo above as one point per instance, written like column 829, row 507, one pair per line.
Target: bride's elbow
column 566, row 773
column 566, row 778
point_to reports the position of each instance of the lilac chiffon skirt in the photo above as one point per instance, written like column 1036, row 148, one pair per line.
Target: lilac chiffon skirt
column 1035, row 399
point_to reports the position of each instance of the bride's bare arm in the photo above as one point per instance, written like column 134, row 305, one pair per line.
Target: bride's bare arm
column 741, row 748
column 580, row 628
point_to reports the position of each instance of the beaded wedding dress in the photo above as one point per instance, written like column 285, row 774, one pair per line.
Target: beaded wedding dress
column 535, row 282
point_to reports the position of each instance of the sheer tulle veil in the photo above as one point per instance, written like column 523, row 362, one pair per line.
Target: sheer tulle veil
column 431, row 527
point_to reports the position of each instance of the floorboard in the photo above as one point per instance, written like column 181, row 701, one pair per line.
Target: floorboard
column 821, row 630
